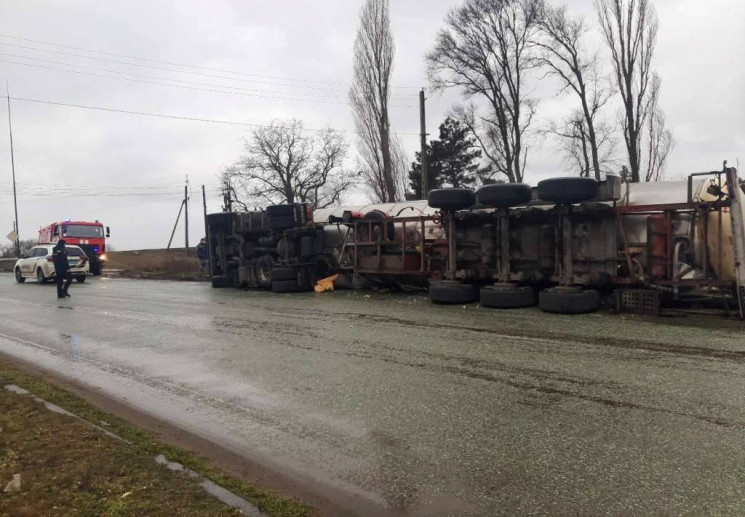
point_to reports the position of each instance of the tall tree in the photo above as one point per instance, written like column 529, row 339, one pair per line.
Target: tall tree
column 369, row 95
column 562, row 54
column 630, row 31
column 284, row 165
column 485, row 50
column 659, row 139
column 453, row 160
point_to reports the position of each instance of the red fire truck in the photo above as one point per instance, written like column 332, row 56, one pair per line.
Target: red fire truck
column 90, row 236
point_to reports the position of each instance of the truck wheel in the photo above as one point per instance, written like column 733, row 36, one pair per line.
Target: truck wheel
column 19, row 276
column 507, row 296
column 263, row 269
column 221, row 281
column 451, row 198
column 567, row 191
column 284, row 286
column 563, row 300
column 453, row 292
column 80, row 279
column 283, row 273
column 504, row 195
column 40, row 278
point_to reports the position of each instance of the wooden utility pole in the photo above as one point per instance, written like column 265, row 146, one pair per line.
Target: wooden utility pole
column 13, row 168
column 186, row 214
column 423, row 153
column 204, row 207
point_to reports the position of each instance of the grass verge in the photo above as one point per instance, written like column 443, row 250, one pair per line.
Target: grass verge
column 69, row 467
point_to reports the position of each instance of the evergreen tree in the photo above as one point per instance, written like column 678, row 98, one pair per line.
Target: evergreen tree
column 453, row 160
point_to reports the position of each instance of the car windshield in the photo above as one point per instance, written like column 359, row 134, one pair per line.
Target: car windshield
column 82, row 230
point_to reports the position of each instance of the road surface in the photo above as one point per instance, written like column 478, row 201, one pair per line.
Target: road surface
column 393, row 405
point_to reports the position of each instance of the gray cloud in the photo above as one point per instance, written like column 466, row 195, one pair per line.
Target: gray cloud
column 699, row 57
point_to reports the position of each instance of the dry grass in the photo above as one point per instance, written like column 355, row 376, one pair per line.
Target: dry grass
column 70, row 468
column 164, row 264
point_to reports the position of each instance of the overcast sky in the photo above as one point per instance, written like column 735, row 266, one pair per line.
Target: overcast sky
column 294, row 59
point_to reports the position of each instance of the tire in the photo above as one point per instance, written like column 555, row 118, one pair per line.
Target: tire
column 507, row 297
column 281, row 211
column 284, row 286
column 40, row 278
column 453, row 293
column 221, row 281
column 567, row 191
column 281, row 223
column 562, row 301
column 451, row 198
column 504, row 195
column 284, row 273
column 19, row 276
column 263, row 270
column 80, row 279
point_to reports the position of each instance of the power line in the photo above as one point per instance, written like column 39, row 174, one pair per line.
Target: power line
column 150, row 67
column 165, row 78
column 176, row 117
column 58, row 45
column 180, row 86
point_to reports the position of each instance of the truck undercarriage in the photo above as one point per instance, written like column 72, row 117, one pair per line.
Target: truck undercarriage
column 568, row 245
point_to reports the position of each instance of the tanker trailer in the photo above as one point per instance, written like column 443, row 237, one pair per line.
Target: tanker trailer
column 565, row 244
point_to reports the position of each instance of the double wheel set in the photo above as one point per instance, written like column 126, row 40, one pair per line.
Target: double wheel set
column 565, row 298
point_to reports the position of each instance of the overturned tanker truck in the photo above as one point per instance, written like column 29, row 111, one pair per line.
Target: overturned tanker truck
column 568, row 244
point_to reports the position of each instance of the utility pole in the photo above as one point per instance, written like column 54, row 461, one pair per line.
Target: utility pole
column 13, row 168
column 186, row 213
column 423, row 153
column 204, row 207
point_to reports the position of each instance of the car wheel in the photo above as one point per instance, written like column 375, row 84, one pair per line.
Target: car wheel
column 453, row 292
column 563, row 300
column 80, row 279
column 40, row 278
column 284, row 286
column 507, row 296
column 19, row 276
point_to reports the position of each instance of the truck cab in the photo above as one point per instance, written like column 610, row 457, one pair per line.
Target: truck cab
column 89, row 236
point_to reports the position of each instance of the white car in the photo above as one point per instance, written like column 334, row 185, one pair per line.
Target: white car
column 38, row 263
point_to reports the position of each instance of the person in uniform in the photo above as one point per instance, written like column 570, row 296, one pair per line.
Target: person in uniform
column 61, row 269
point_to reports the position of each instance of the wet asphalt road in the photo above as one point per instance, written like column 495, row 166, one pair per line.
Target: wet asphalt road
column 422, row 409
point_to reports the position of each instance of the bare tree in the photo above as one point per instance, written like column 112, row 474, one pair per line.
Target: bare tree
column 630, row 31
column 574, row 141
column 283, row 165
column 564, row 57
column 660, row 140
column 369, row 96
column 485, row 50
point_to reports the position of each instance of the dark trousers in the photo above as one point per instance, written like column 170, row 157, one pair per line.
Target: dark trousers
column 63, row 278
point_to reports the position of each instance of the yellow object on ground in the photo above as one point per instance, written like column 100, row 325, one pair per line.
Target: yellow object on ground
column 326, row 284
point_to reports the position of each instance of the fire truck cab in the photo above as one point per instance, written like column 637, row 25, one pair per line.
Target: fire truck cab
column 90, row 236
